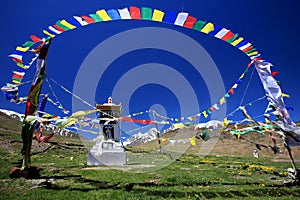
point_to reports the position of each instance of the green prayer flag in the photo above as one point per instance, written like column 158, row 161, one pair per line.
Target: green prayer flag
column 230, row 40
column 250, row 51
column 18, row 80
column 62, row 26
column 146, row 13
column 20, row 64
column 28, row 44
column 199, row 25
column 205, row 135
column 96, row 17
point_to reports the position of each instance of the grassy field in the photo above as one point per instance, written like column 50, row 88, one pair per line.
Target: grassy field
column 65, row 175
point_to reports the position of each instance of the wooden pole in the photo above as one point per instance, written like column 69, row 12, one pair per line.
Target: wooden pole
column 157, row 133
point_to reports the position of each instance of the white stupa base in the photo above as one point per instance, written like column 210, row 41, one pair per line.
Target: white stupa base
column 107, row 153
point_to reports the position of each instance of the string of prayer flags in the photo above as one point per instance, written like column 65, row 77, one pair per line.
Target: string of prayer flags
column 183, row 19
column 139, row 13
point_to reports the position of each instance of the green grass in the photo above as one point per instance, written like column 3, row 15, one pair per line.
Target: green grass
column 65, row 175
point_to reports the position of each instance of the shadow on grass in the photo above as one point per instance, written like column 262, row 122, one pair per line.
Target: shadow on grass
column 171, row 190
column 260, row 192
column 88, row 183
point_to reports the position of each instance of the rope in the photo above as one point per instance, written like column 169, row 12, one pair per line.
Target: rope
column 68, row 91
column 76, row 96
column 132, row 130
column 54, row 94
column 246, row 90
column 248, row 104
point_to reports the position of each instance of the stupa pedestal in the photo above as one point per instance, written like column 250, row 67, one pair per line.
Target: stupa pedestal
column 108, row 149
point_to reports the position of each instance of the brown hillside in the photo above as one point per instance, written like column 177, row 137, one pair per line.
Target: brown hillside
column 221, row 144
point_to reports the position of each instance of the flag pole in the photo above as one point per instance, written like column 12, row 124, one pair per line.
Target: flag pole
column 157, row 132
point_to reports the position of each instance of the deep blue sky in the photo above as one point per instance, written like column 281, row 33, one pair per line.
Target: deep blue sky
column 271, row 25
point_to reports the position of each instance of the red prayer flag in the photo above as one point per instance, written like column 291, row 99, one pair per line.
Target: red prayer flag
column 190, row 21
column 89, row 20
column 17, row 60
column 227, row 36
column 248, row 49
column 59, row 28
column 35, row 39
column 275, row 73
column 135, row 12
column 17, row 76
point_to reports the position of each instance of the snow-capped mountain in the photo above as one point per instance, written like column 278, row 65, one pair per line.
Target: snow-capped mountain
column 13, row 114
column 141, row 138
column 150, row 135
column 50, row 127
column 210, row 124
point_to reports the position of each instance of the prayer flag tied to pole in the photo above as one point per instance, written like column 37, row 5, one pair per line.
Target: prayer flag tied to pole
column 32, row 104
column 272, row 88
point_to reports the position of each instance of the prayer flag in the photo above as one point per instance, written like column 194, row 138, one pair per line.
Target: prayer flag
column 49, row 34
column 190, row 21
column 222, row 101
column 54, row 30
column 23, row 49
column 95, row 17
column 193, row 141
column 170, row 17
column 199, row 25
column 124, row 13
column 114, row 15
column 135, row 12
column 67, row 24
column 103, row 15
column 28, row 44
column 205, row 114
column 207, row 28
column 181, row 18
column 222, row 33
column 89, row 20
column 237, row 41
column 158, row 15
column 146, row 13
column 80, row 20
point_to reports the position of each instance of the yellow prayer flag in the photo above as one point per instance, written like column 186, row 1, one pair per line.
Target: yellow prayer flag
column 16, row 81
column 193, row 141
column 225, row 122
column 103, row 14
column 67, row 24
column 267, row 120
column 208, row 28
column 178, row 125
column 163, row 140
column 205, row 114
column 82, row 113
column 158, row 15
column 49, row 34
column 22, row 66
column 237, row 41
column 23, row 49
column 242, row 76
column 285, row 95
column 253, row 53
column 222, row 100
column 70, row 122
